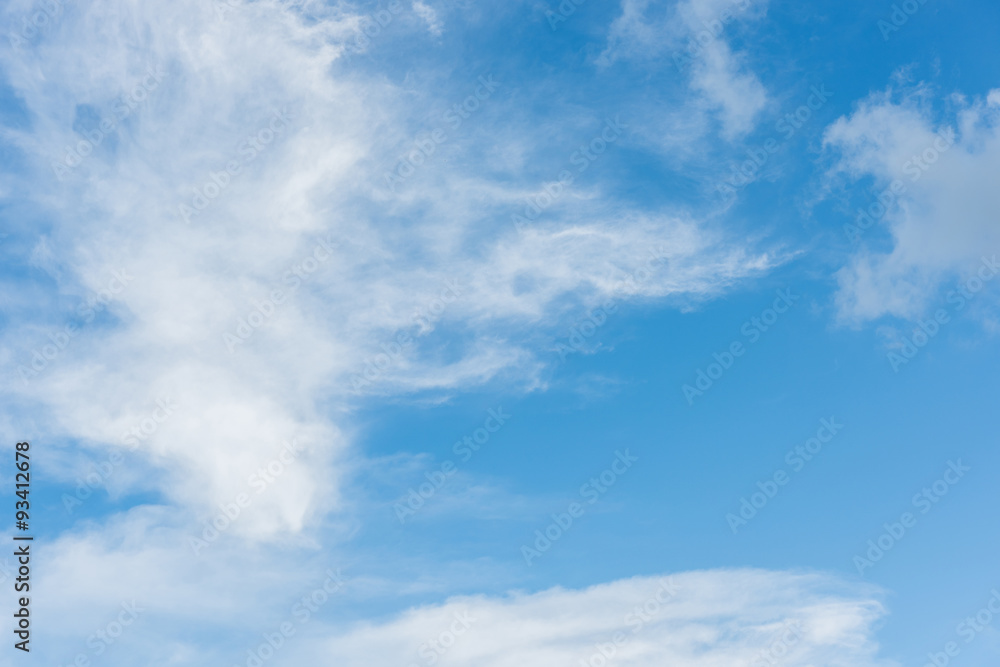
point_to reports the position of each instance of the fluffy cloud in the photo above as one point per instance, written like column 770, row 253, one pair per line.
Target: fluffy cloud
column 932, row 193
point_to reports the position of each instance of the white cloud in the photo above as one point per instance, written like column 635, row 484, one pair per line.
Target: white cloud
column 713, row 618
column 692, row 38
column 698, row 619
column 263, row 73
column 305, row 214
column 429, row 16
column 942, row 214
column 190, row 283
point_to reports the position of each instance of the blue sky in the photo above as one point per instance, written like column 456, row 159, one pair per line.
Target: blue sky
column 461, row 325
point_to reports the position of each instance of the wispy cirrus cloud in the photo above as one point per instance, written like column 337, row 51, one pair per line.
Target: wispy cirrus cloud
column 197, row 278
column 691, row 36
column 737, row 617
column 249, row 258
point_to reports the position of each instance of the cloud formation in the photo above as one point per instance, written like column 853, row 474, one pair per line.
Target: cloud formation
column 932, row 195
column 218, row 234
column 693, row 38
column 730, row 618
